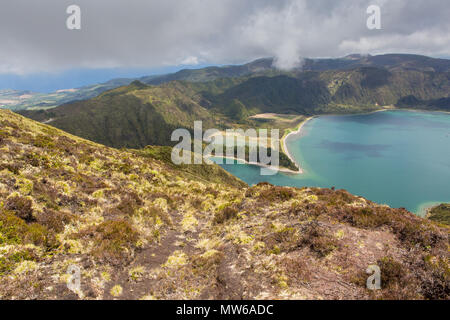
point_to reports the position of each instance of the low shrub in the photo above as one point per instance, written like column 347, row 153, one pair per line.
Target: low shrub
column 366, row 217
column 39, row 235
column 276, row 194
column 283, row 240
column 9, row 261
column 21, row 206
column 225, row 214
column 311, row 209
column 43, row 141
column 436, row 281
column 12, row 228
column 12, row 167
column 250, row 192
column 392, row 272
column 334, row 197
column 196, row 203
column 113, row 239
column 15, row 230
column 129, row 203
column 212, row 191
column 412, row 232
column 440, row 213
column 318, row 239
column 53, row 220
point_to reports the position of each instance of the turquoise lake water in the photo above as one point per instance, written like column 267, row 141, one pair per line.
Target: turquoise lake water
column 399, row 158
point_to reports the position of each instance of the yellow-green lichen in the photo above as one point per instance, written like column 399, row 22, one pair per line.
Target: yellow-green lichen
column 116, row 291
column 177, row 259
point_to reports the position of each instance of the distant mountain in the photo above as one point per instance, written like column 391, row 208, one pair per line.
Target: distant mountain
column 266, row 65
column 212, row 73
column 337, row 91
column 261, row 67
column 131, row 116
column 14, row 100
column 389, row 61
column 138, row 114
column 19, row 100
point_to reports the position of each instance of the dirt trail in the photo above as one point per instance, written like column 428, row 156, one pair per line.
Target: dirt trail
column 150, row 258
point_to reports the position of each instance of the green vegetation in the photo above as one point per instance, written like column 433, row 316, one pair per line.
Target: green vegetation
column 382, row 79
column 227, row 213
column 138, row 115
column 283, row 159
column 203, row 172
column 134, row 221
column 440, row 213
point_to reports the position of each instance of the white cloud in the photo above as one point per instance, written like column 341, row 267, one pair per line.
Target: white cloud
column 431, row 42
column 191, row 60
column 170, row 32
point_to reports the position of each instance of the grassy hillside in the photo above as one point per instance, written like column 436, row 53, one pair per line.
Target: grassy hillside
column 133, row 116
column 343, row 91
column 138, row 115
column 141, row 228
column 21, row 100
column 440, row 213
column 213, row 73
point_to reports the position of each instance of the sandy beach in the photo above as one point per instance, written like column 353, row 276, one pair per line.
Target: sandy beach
column 280, row 169
column 424, row 209
column 286, row 150
column 283, row 149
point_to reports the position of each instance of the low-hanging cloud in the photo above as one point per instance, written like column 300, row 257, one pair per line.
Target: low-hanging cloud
column 135, row 33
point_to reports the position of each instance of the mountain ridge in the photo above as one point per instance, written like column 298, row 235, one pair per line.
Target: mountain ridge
column 257, row 67
column 141, row 114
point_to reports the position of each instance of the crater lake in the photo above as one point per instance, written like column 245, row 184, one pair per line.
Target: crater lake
column 397, row 157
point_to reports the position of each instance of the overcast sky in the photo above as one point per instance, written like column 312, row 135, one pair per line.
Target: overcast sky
column 155, row 34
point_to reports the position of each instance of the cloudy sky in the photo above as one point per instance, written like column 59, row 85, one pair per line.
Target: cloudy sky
column 161, row 33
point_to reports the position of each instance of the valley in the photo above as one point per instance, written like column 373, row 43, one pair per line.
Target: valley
column 146, row 112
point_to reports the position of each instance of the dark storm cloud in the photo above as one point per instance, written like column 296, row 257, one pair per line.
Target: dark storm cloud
column 135, row 33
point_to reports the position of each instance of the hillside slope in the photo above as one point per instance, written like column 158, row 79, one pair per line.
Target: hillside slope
column 138, row 115
column 21, row 100
column 141, row 228
column 440, row 213
column 338, row 91
column 266, row 65
column 132, row 116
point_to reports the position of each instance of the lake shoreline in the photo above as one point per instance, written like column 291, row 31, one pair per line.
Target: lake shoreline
column 293, row 133
column 424, row 209
column 297, row 131
column 417, row 200
column 299, row 127
column 278, row 169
